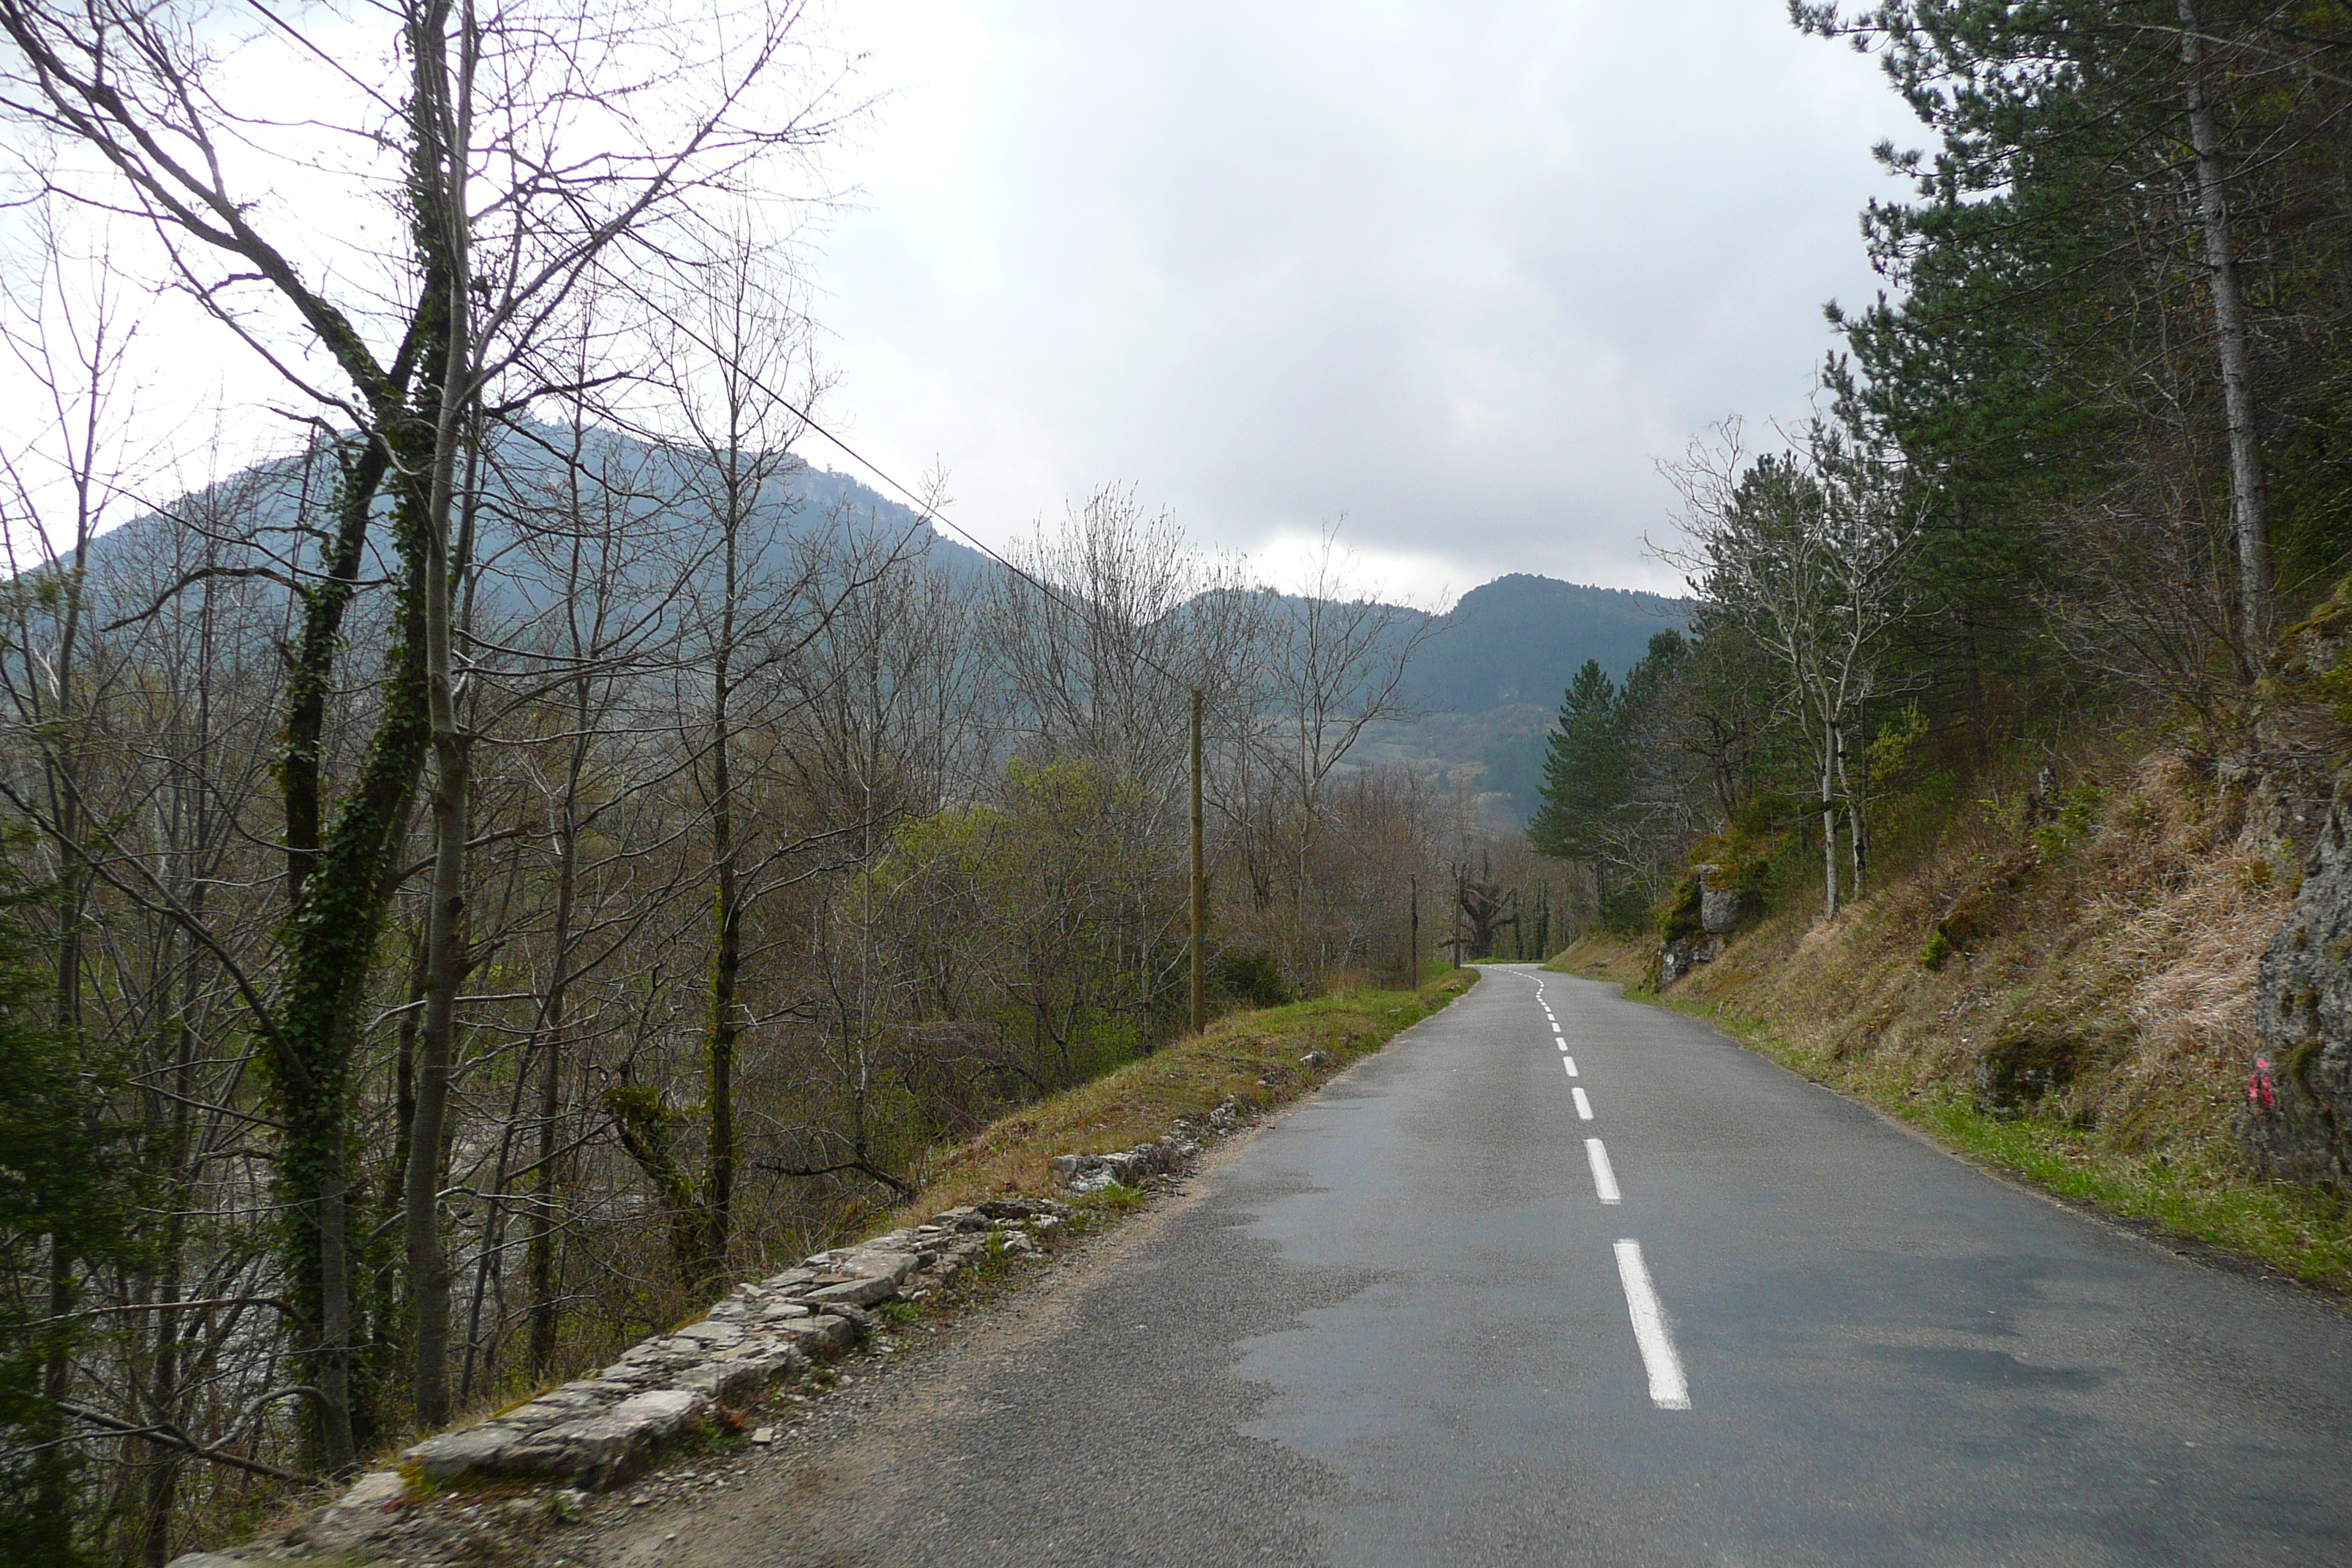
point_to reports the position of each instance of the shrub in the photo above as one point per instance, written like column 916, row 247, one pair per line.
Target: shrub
column 2073, row 822
column 1679, row 915
column 1249, row 978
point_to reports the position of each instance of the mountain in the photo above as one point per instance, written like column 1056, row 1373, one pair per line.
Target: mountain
column 1519, row 639
column 1490, row 680
column 255, row 513
column 1484, row 685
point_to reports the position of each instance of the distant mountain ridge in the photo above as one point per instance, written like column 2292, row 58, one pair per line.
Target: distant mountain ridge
column 1490, row 680
column 1485, row 684
column 1519, row 639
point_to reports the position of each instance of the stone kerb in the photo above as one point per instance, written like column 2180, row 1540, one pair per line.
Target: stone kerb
column 594, row 1433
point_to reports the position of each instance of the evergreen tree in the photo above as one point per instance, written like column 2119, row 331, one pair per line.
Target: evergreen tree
column 1648, row 684
column 2119, row 327
column 1587, row 774
column 67, row 1188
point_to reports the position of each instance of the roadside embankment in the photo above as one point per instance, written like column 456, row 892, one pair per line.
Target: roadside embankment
column 2072, row 1001
column 990, row 1213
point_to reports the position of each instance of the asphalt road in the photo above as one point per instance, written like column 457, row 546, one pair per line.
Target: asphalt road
column 1401, row 1326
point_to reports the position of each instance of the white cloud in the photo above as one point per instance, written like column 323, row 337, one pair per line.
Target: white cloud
column 1459, row 272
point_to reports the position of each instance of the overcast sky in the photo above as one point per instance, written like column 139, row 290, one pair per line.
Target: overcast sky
column 1456, row 272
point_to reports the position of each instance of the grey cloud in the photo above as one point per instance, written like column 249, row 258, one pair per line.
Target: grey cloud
column 1457, row 271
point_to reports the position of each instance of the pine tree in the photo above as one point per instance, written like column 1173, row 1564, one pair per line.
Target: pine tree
column 2118, row 286
column 1587, row 772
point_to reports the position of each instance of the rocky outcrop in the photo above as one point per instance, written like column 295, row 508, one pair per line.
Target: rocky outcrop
column 1716, row 897
column 2298, row 1109
column 1718, row 902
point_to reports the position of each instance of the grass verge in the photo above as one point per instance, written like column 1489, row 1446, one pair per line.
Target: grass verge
column 2197, row 1194
column 1251, row 1057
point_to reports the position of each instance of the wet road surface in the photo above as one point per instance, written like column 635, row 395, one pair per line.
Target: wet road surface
column 1561, row 1278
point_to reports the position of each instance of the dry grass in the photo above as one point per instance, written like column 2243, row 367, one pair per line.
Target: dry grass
column 2129, row 946
column 1251, row 1057
column 1605, row 955
column 1136, row 1103
column 2125, row 944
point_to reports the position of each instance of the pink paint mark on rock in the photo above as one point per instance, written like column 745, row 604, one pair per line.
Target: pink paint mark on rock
column 2260, row 1091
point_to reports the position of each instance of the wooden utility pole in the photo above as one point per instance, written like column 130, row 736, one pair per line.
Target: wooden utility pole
column 1200, row 887
column 1412, row 949
column 1461, row 878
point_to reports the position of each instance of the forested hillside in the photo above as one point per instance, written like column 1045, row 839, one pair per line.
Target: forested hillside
column 1516, row 640
column 2013, row 698
column 537, row 850
column 1481, row 690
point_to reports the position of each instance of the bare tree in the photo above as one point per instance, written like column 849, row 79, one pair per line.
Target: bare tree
column 744, row 378
column 1804, row 552
column 1330, row 664
column 496, row 116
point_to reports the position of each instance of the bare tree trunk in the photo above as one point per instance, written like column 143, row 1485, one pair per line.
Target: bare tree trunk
column 61, row 760
column 1829, row 821
column 163, row 1382
column 727, row 955
column 428, row 1272
column 726, row 970
column 177, row 1122
column 489, row 1250
column 2248, row 490
column 540, row 1251
column 444, row 109
column 1859, row 843
column 339, row 1447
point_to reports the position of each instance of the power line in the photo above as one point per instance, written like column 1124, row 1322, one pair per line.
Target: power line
column 929, row 514
column 923, row 508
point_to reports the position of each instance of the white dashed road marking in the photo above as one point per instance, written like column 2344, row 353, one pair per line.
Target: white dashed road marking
column 1668, row 1390
column 1605, row 1180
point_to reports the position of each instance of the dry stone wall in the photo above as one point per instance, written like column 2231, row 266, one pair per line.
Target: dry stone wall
column 594, row 1433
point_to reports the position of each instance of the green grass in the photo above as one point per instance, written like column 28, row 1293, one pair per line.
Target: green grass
column 1115, row 1198
column 1250, row 1057
column 2295, row 1231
